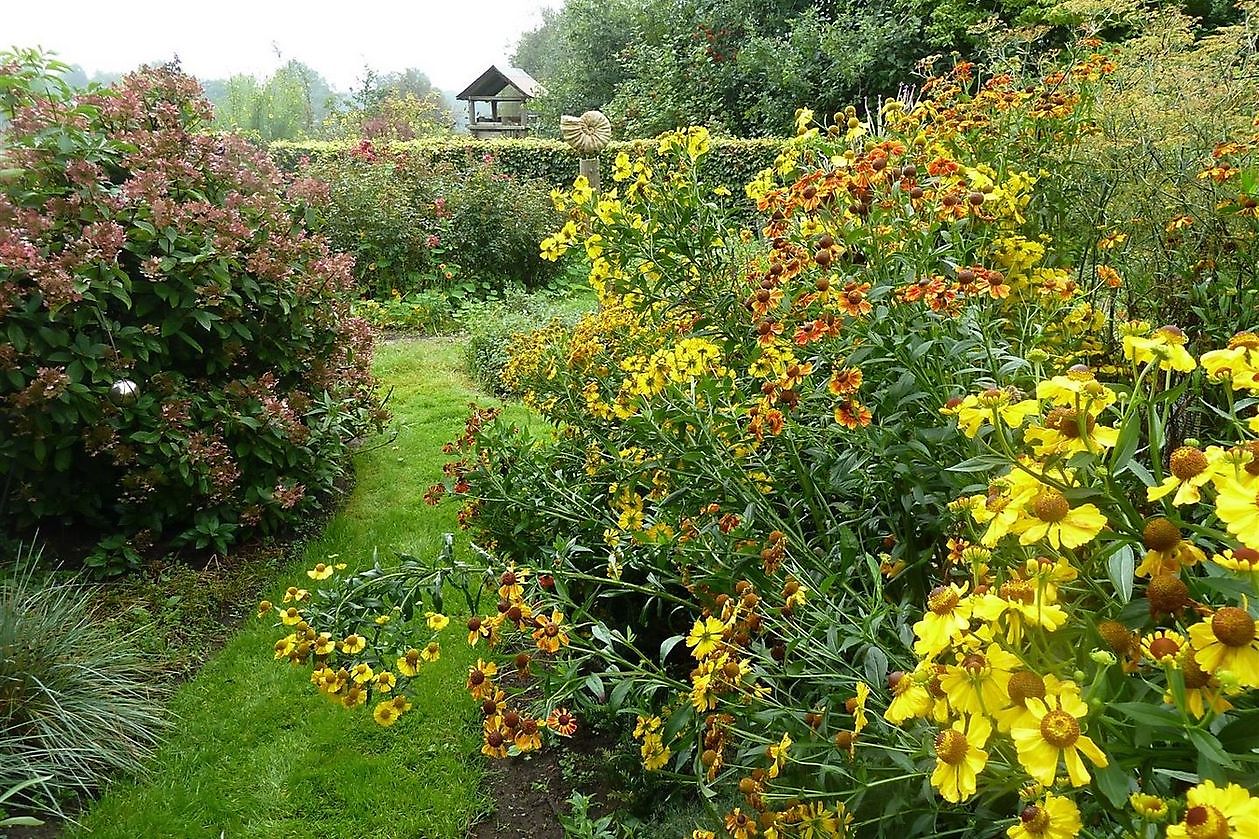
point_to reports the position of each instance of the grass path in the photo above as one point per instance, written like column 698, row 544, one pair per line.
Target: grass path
column 256, row 752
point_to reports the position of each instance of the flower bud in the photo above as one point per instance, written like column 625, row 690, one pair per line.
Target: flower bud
column 1103, row 657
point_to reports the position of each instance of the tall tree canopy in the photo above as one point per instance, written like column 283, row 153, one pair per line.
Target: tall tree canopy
column 745, row 65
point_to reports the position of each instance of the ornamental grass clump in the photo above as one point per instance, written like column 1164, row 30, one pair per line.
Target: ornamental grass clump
column 891, row 516
column 180, row 368
column 78, row 704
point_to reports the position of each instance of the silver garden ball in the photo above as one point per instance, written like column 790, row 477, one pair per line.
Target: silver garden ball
column 124, row 392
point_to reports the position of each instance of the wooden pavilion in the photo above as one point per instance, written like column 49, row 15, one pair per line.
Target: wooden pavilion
column 498, row 102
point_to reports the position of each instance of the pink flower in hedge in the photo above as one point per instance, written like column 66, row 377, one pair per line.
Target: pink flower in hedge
column 487, row 158
column 432, row 241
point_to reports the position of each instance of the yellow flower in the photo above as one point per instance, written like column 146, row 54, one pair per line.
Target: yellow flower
column 324, row 645
column 1227, row 642
column 960, row 758
column 1054, row 520
column 1151, row 808
column 977, row 683
column 1202, row 690
column 994, row 404
column 948, row 616
column 361, row 673
column 621, row 168
column 436, row 621
column 385, row 681
column 1238, row 507
column 910, row 697
column 1068, row 431
column 1217, row 813
column 264, row 607
column 1019, row 604
column 1167, row 551
column 320, row 571
column 408, row 664
column 290, row 616
column 355, row 696
column 654, row 752
column 353, row 644
column 295, row 594
column 705, row 637
column 857, row 707
column 1165, row 347
column 1191, row 469
column 777, row 753
column 386, row 713
column 1056, row 736
column 550, row 636
column 1056, row 817
column 432, row 652
column 1163, row 646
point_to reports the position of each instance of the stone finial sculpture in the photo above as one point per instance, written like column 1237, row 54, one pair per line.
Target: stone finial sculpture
column 587, row 134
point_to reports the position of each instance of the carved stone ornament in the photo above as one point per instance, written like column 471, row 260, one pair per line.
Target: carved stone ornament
column 588, row 133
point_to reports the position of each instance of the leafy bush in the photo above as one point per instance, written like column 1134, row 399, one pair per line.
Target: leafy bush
column 76, row 704
column 426, row 312
column 495, row 328
column 135, row 248
column 416, row 223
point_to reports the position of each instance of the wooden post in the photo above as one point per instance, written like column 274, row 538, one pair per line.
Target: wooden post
column 589, row 166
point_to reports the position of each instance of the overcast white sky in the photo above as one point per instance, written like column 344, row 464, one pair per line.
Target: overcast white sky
column 452, row 41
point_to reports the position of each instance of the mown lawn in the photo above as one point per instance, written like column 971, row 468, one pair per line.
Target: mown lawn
column 256, row 751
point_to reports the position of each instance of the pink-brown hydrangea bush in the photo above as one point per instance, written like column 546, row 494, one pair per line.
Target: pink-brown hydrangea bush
column 135, row 246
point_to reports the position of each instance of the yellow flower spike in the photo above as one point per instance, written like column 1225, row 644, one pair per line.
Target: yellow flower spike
column 1056, row 817
column 1056, row 737
column 960, row 757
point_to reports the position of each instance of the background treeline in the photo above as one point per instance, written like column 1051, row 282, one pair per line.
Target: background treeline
column 743, row 66
column 296, row 102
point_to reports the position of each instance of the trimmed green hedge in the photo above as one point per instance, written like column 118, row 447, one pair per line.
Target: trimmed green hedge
column 732, row 162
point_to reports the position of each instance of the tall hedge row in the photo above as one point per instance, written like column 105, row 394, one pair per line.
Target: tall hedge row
column 731, row 163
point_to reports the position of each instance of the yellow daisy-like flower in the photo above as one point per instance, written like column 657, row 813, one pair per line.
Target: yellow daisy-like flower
column 977, row 684
column 778, row 755
column 992, row 406
column 290, row 616
column 361, row 673
column 385, row 681
column 320, row 571
column 550, row 635
column 432, row 652
column 948, row 616
column 436, row 621
column 1056, row 737
column 910, row 697
column 1022, row 686
column 705, row 636
column 1163, row 647
column 1191, row 469
column 1217, row 813
column 1228, row 642
column 1079, row 386
column 355, row 695
column 1052, row 519
column 1238, row 507
column 1202, row 690
column 654, row 752
column 1067, row 431
column 408, row 663
column 353, row 644
column 1151, row 808
column 386, row 713
column 1167, row 551
column 324, row 645
column 1056, row 817
column 960, row 757
column 1164, row 347
column 857, row 707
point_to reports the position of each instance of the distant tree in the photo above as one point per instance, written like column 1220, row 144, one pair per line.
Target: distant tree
column 391, row 106
column 290, row 104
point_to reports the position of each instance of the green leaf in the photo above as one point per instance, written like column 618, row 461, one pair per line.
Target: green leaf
column 1115, row 783
column 1209, row 747
column 1147, row 714
column 1119, row 567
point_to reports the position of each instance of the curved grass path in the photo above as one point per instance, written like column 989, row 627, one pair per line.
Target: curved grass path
column 256, row 752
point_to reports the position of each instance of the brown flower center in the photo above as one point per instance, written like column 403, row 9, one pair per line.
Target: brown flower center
column 1025, row 685
column 942, row 600
column 1195, row 676
column 1205, row 822
column 1066, row 421
column 476, row 677
column 1051, row 506
column 1160, row 534
column 975, row 664
column 1167, row 593
column 1188, row 462
column 1249, row 340
column 1059, row 729
column 1233, row 627
column 1247, row 555
column 551, row 630
column 1019, row 591
column 1117, row 636
column 1163, row 647
column 951, row 746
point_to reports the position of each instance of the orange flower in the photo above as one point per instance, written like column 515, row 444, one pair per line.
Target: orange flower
column 549, row 635
column 562, row 722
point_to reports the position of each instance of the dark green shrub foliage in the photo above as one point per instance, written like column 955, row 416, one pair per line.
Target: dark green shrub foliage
column 134, row 246
column 75, row 706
